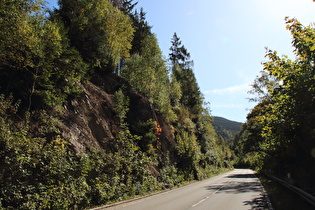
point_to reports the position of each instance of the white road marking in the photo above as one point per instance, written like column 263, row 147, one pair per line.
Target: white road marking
column 196, row 204
column 200, row 202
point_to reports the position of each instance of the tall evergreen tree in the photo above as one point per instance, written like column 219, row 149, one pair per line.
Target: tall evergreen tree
column 182, row 68
column 142, row 30
column 126, row 6
column 179, row 54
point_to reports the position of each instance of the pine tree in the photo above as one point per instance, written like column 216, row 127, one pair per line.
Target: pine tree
column 126, row 6
column 179, row 54
column 142, row 30
column 182, row 68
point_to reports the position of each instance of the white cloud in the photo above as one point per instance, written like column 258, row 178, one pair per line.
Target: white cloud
column 244, row 88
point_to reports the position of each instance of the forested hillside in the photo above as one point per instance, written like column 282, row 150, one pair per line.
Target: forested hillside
column 278, row 137
column 91, row 112
column 227, row 129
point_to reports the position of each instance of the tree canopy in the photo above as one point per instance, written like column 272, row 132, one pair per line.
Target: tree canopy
column 98, row 30
column 278, row 136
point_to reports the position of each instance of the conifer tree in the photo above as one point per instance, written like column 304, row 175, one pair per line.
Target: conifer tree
column 179, row 56
column 126, row 6
column 142, row 30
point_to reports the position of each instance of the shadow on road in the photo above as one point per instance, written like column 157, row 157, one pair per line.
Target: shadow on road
column 243, row 183
column 257, row 203
column 236, row 187
column 242, row 176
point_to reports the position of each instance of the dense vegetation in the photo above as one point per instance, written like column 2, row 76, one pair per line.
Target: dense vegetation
column 50, row 61
column 226, row 129
column 278, row 137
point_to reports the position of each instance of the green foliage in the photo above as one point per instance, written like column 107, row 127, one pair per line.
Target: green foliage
column 278, row 135
column 36, row 174
column 98, row 30
column 142, row 31
column 46, row 59
column 170, row 176
column 148, row 74
column 182, row 69
column 226, row 128
column 46, row 174
column 180, row 102
column 125, row 6
column 179, row 54
column 36, row 63
column 198, row 146
column 151, row 132
column 189, row 151
column 175, row 91
column 121, row 106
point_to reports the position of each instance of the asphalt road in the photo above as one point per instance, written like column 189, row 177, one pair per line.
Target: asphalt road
column 238, row 189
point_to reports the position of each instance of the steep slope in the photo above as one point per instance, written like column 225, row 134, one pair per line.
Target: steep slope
column 90, row 120
column 73, row 134
column 89, row 153
column 225, row 128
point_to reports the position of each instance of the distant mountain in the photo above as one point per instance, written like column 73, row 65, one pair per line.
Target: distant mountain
column 225, row 128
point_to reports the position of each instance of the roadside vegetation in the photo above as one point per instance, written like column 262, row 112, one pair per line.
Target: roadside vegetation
column 278, row 137
column 91, row 112
column 52, row 60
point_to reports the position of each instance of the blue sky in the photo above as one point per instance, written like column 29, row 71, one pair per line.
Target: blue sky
column 226, row 40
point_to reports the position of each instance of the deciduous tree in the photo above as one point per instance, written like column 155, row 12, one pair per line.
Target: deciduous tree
column 281, row 126
column 100, row 31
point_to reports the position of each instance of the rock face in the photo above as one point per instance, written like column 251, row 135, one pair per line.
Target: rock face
column 90, row 120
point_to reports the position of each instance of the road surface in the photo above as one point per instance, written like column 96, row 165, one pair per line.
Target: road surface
column 238, row 189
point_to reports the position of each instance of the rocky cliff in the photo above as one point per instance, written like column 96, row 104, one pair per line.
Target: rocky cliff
column 89, row 120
